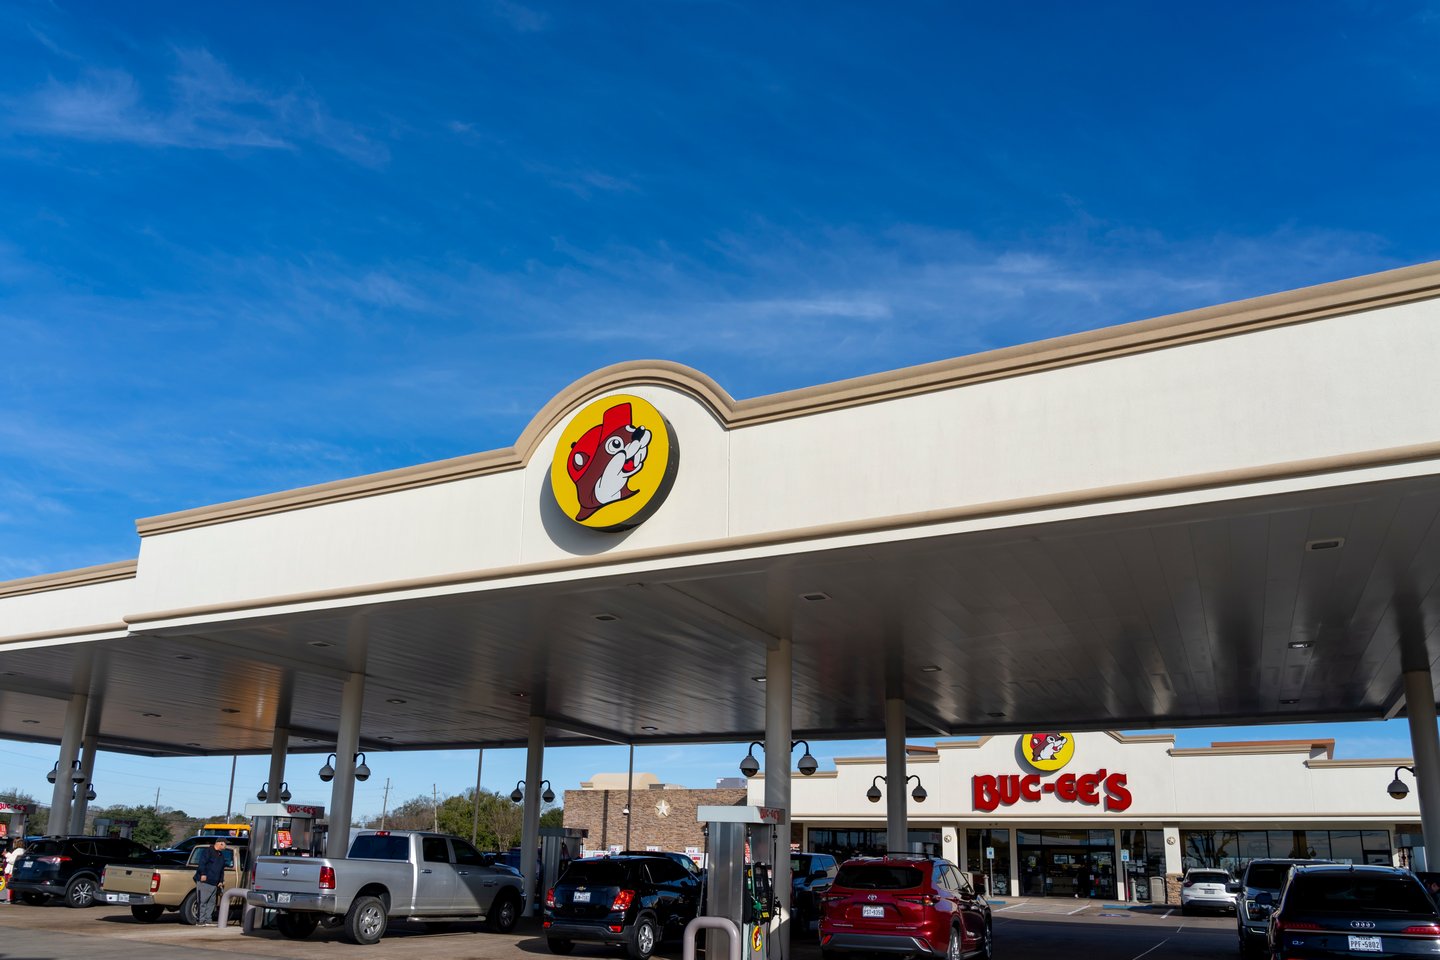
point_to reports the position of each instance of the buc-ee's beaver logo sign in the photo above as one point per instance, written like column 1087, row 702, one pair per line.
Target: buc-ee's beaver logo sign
column 1048, row 752
column 614, row 463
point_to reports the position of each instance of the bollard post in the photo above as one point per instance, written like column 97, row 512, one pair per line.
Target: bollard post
column 711, row 923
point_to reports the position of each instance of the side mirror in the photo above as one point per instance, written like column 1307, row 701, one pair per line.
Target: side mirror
column 817, row 875
column 1233, row 886
column 1263, row 899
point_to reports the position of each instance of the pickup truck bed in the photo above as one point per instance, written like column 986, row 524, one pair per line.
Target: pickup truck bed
column 151, row 889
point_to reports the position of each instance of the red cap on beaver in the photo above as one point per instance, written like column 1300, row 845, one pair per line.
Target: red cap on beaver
column 589, row 443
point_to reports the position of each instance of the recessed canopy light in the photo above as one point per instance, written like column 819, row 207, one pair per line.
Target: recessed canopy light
column 321, row 643
column 1288, row 702
column 931, row 668
column 192, row 743
column 520, row 694
column 650, row 729
column 29, row 721
column 606, row 617
column 997, row 714
column 311, row 740
column 153, row 716
column 183, row 656
column 9, row 673
column 1327, row 543
column 815, row 597
column 385, row 738
column 228, row 710
column 1301, row 644
column 395, row 700
column 758, row 679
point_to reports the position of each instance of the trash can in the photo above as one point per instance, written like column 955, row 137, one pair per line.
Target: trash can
column 1157, row 889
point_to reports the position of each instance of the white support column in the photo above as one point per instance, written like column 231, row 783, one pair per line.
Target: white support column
column 779, row 695
column 69, row 750
column 1425, row 748
column 347, row 743
column 897, row 833
column 1013, row 883
column 530, row 826
column 79, row 806
column 278, row 746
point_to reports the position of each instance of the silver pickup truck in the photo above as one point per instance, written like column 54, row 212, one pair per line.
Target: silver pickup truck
column 425, row 876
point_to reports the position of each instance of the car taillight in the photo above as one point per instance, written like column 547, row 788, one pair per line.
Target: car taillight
column 252, row 877
column 102, row 876
column 155, row 881
column 1426, row 929
column 928, row 900
column 1285, row 926
column 327, row 878
column 53, row 859
column 623, row 899
column 1187, row 883
column 550, row 898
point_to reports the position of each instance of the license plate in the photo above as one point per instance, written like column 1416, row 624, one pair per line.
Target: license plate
column 869, row 911
column 282, row 898
column 1365, row 944
column 27, row 863
column 582, row 896
column 117, row 898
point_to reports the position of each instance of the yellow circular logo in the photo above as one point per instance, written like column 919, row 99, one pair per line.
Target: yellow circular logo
column 614, row 464
column 1047, row 751
column 757, row 939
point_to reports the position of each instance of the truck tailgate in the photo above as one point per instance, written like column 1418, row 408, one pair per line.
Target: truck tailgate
column 128, row 878
column 288, row 874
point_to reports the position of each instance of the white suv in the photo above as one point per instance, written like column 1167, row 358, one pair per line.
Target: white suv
column 1203, row 887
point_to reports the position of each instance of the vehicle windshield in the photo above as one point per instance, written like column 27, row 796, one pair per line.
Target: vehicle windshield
column 1208, row 876
column 1358, row 893
column 1267, row 876
column 596, row 873
column 878, row 876
column 44, row 848
column 372, row 847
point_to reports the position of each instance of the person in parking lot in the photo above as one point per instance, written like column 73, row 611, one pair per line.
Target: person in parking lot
column 209, row 874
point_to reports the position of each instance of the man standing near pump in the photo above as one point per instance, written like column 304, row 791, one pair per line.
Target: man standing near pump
column 209, row 875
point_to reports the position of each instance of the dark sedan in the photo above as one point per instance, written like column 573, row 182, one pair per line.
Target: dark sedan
column 1335, row 910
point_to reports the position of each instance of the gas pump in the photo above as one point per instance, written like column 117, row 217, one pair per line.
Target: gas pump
column 108, row 827
column 285, row 830
column 741, row 846
column 14, row 818
column 558, row 846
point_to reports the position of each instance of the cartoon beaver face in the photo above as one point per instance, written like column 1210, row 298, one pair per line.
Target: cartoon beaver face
column 605, row 458
column 1046, row 746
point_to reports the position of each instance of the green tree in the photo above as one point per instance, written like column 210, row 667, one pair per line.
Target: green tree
column 154, row 828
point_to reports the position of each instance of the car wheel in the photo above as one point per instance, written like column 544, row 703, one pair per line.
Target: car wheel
column 34, row 899
column 190, row 909
column 643, row 938
column 987, row 943
column 147, row 914
column 366, row 921
column 504, row 913
column 80, row 892
column 296, row 926
column 560, row 945
column 955, row 949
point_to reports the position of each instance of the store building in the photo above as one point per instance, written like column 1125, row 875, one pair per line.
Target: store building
column 621, row 813
column 1111, row 815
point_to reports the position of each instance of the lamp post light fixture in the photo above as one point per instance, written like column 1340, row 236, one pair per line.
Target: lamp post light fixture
column 75, row 775
column 89, row 793
column 264, row 792
column 807, row 765
column 362, row 770
column 918, row 794
column 1397, row 788
column 518, row 793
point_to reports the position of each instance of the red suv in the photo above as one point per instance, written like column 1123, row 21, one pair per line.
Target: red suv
column 908, row 905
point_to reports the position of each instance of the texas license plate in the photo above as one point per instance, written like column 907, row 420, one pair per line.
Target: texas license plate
column 282, row 898
column 868, row 911
column 117, row 898
column 1365, row 944
column 582, row 896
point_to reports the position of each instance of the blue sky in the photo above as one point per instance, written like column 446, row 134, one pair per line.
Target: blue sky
column 255, row 246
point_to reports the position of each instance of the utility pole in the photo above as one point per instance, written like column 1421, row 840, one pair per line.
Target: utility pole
column 629, row 795
column 435, row 805
column 230, row 797
column 157, row 799
column 385, row 803
column 475, row 816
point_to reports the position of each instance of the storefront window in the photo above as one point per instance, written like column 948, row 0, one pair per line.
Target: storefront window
column 1067, row 863
column 976, row 843
column 1231, row 850
column 1147, row 861
column 844, row 844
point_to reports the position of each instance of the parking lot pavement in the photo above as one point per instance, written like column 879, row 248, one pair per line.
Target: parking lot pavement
column 1024, row 930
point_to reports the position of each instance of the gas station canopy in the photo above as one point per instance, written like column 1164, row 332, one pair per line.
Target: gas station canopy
column 1222, row 516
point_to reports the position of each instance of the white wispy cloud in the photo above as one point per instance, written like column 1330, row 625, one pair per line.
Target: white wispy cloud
column 205, row 106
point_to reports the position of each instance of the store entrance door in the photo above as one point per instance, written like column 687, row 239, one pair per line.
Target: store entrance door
column 1053, row 864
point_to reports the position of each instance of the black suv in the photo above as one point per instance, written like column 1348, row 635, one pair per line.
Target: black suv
column 1335, row 910
column 1252, row 919
column 70, row 867
column 632, row 901
column 810, row 876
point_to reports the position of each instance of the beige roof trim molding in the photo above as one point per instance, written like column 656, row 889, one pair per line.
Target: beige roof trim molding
column 1130, row 491
column 1377, row 762
column 1140, row 737
column 88, row 630
column 1405, row 285
column 1249, row 749
column 83, row 577
column 963, row 744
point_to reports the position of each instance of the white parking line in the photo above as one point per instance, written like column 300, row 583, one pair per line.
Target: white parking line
column 1077, row 910
column 1152, row 949
column 1011, row 907
column 1166, row 914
